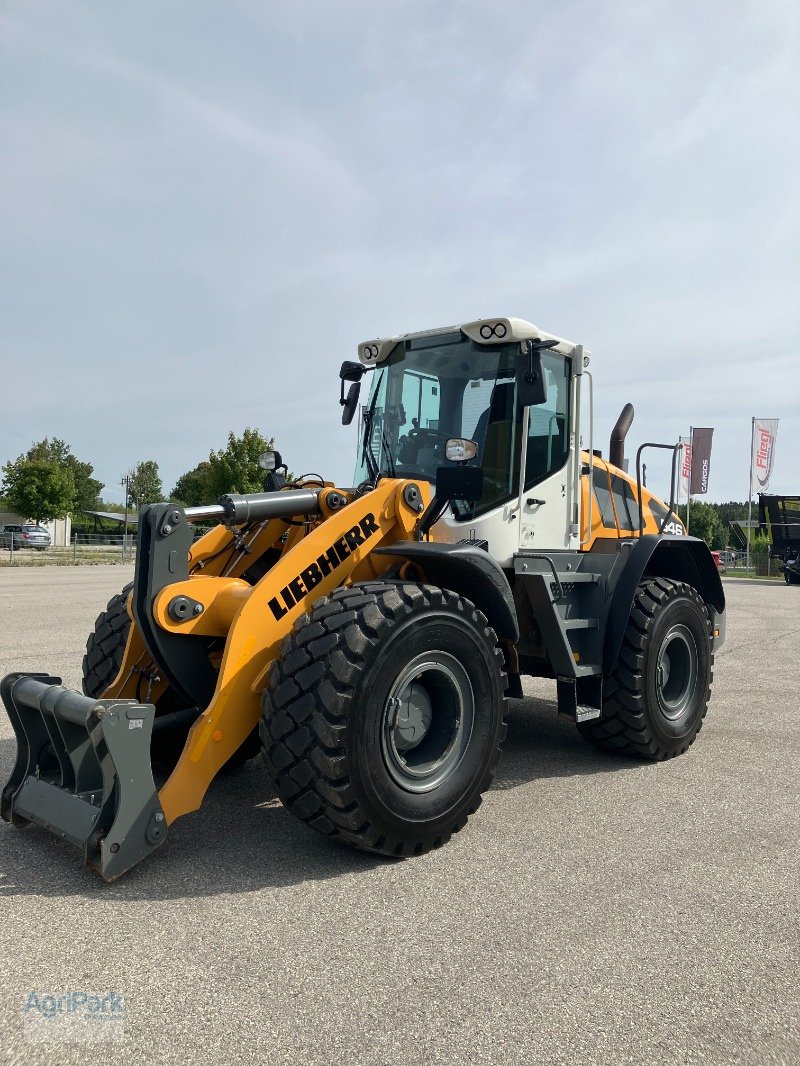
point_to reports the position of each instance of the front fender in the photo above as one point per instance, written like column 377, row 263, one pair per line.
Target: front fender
column 468, row 570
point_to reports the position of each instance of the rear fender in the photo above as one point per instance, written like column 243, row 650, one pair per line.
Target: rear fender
column 677, row 557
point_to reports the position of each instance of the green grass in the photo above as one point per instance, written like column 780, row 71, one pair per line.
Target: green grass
column 750, row 575
column 82, row 556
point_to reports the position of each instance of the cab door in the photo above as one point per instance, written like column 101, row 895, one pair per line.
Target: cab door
column 549, row 453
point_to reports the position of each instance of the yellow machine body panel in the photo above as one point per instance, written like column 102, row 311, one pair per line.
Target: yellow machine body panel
column 612, row 507
column 335, row 552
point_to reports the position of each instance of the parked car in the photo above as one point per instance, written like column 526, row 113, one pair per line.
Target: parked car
column 24, row 536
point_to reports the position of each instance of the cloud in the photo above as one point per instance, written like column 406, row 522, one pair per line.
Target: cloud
column 208, row 209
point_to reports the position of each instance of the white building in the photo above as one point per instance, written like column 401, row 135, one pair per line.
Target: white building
column 60, row 529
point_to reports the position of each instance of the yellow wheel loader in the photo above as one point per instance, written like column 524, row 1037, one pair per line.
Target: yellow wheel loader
column 365, row 638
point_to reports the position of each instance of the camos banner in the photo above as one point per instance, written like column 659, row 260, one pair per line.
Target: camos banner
column 701, row 461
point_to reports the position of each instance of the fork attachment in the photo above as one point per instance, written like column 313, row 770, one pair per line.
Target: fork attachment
column 83, row 771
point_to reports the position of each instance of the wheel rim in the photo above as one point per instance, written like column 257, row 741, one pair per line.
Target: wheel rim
column 427, row 721
column 676, row 672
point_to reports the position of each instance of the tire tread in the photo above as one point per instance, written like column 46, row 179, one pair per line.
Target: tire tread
column 308, row 760
column 624, row 727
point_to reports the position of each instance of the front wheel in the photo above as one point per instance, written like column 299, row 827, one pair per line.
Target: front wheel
column 105, row 649
column 384, row 716
column 657, row 696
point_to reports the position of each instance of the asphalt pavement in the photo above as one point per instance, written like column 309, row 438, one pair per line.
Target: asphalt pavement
column 595, row 909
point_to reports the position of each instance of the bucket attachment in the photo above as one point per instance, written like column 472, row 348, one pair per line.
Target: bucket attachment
column 83, row 771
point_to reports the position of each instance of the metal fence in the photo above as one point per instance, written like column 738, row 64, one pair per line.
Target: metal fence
column 762, row 564
column 85, row 549
column 93, row 548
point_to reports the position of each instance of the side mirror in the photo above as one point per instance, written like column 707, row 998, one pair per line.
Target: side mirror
column 531, row 386
column 349, row 405
column 350, row 372
column 460, row 450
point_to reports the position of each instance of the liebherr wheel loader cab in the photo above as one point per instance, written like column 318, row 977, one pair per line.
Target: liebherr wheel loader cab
column 365, row 638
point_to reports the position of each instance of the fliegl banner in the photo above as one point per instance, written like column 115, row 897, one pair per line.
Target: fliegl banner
column 765, row 432
column 685, row 457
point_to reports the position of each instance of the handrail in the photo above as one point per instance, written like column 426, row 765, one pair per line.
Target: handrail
column 559, row 588
column 674, row 448
column 588, row 374
column 575, row 436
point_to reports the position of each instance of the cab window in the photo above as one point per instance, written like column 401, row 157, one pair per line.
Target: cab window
column 615, row 500
column 625, row 504
column 548, row 423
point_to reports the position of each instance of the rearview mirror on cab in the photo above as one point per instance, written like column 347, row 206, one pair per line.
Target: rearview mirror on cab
column 350, row 372
column 531, row 386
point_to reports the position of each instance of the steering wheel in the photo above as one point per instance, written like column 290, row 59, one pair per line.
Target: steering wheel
column 419, row 431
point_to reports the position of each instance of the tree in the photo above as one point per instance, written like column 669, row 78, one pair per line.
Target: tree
column 192, row 487
column 38, row 490
column 87, row 488
column 144, row 484
column 732, row 512
column 233, row 469
column 704, row 523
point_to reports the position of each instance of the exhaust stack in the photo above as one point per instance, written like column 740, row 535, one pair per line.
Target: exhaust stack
column 616, row 447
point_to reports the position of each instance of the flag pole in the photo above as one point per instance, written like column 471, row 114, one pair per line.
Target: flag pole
column 689, row 487
column 680, row 478
column 750, row 489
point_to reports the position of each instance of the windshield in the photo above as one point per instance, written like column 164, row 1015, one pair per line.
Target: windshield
column 433, row 388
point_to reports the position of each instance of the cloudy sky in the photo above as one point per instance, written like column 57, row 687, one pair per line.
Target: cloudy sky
column 205, row 206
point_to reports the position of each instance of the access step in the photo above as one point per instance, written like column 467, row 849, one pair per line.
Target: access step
column 581, row 623
column 583, row 713
column 588, row 670
column 581, row 700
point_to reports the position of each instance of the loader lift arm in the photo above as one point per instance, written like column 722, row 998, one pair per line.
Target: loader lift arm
column 338, row 551
column 83, row 766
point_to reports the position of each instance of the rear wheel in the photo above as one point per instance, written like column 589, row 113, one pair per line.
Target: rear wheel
column 384, row 716
column 657, row 695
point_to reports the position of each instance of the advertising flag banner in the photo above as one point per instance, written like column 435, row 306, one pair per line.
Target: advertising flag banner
column 701, row 461
column 765, row 432
column 685, row 459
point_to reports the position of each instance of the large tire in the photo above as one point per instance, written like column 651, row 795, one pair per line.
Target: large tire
column 106, row 645
column 657, row 696
column 104, row 650
column 360, row 679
